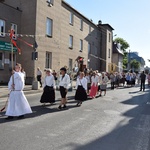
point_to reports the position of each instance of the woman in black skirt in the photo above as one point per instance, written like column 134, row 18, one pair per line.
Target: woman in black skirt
column 48, row 95
column 81, row 86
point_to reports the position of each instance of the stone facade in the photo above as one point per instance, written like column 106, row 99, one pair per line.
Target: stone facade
column 54, row 51
column 7, row 14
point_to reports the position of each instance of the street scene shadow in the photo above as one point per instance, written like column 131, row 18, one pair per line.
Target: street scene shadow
column 127, row 135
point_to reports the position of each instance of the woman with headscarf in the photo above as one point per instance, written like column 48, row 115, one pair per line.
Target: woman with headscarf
column 48, row 95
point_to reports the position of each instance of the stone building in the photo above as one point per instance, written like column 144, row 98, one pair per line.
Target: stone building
column 117, row 57
column 62, row 34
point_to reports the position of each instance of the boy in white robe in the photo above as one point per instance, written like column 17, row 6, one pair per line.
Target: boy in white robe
column 18, row 105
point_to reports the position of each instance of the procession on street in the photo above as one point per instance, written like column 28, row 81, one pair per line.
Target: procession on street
column 89, row 85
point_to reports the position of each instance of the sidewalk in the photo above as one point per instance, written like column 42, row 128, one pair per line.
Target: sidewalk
column 27, row 90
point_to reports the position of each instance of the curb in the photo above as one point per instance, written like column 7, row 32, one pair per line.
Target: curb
column 29, row 92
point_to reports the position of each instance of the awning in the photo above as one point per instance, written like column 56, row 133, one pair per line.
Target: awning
column 5, row 46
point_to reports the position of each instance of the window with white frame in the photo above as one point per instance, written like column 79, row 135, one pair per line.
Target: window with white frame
column 49, row 27
column 2, row 28
column 48, row 63
column 89, row 29
column 71, row 18
column 81, row 45
column 70, row 64
column 109, row 55
column 95, row 51
column 81, row 24
column 109, row 37
column 1, row 60
column 89, row 48
column 71, row 42
column 50, row 2
column 14, row 27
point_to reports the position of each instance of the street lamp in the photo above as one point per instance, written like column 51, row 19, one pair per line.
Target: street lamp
column 129, row 60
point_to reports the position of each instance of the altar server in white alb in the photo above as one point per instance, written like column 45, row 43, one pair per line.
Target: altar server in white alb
column 18, row 105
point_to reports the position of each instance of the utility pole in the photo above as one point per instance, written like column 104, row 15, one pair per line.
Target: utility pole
column 129, row 61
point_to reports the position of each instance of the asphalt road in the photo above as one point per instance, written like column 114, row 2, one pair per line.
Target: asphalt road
column 118, row 121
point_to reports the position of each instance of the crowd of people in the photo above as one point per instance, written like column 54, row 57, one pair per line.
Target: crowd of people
column 90, row 84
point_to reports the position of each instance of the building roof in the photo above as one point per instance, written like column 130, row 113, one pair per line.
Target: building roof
column 108, row 25
column 96, row 25
column 116, row 49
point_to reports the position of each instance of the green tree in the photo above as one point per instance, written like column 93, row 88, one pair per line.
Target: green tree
column 124, row 46
column 135, row 64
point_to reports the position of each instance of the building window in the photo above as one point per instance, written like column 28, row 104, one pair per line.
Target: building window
column 96, row 34
column 50, row 2
column 1, row 60
column 71, row 18
column 109, row 37
column 89, row 48
column 14, row 27
column 10, row 60
column 49, row 27
column 109, row 53
column 2, row 28
column 95, row 51
column 89, row 29
column 71, row 42
column 81, row 24
column 81, row 45
column 70, row 65
column 48, row 63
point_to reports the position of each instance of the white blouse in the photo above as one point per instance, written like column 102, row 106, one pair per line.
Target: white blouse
column 18, row 80
column 49, row 81
column 64, row 81
column 94, row 80
column 82, row 82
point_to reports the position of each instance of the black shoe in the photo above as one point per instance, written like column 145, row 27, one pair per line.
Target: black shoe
column 79, row 104
column 100, row 95
column 9, row 118
column 64, row 107
column 20, row 117
column 59, row 107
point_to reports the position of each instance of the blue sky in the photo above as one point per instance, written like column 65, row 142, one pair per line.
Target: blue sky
column 129, row 18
